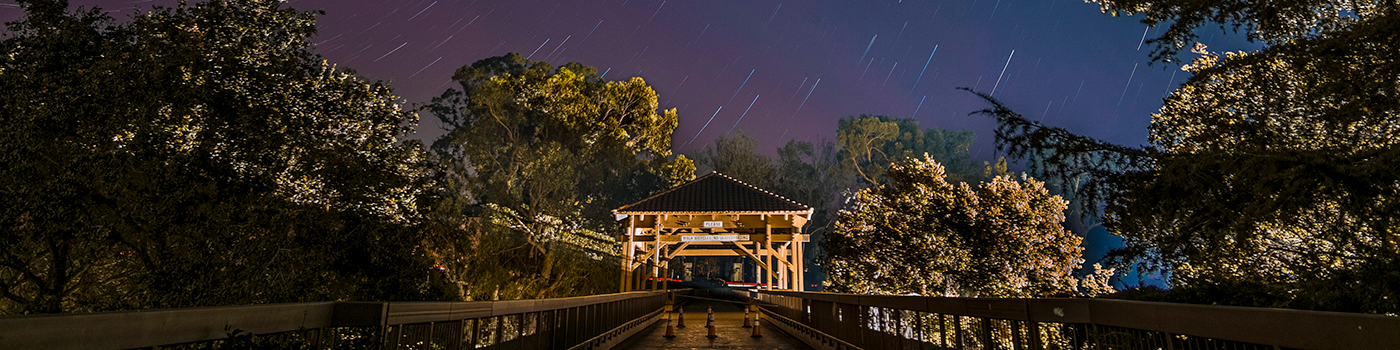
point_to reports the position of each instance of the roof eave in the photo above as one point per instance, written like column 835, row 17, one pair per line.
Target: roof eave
column 714, row 212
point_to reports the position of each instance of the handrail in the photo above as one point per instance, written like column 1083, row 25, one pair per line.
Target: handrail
column 160, row 327
column 1284, row 328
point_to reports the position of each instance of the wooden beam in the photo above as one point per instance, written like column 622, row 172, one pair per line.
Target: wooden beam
column 756, row 260
column 781, row 257
column 644, row 258
column 678, row 249
column 753, row 237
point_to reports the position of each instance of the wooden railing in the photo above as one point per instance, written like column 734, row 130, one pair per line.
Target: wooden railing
column 591, row 322
column 844, row 321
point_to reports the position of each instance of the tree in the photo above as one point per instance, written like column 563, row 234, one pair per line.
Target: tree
column 1272, row 22
column 541, row 155
column 805, row 175
column 737, row 157
column 195, row 156
column 1268, row 180
column 926, row 236
column 868, row 144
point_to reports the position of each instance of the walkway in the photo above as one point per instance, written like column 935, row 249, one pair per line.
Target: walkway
column 729, row 319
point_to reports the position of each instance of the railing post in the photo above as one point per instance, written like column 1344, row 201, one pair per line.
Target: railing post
column 919, row 329
column 958, row 332
column 499, row 335
column 986, row 333
column 942, row 331
column 476, row 333
column 1016, row 335
column 1033, row 331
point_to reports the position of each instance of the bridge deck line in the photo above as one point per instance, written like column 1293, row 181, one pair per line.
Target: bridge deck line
column 729, row 321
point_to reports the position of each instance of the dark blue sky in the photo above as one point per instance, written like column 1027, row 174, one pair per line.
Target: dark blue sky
column 1072, row 65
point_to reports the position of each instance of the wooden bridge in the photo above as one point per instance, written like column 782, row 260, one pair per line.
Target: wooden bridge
column 789, row 320
column 713, row 215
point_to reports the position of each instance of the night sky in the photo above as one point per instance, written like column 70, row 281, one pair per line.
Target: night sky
column 788, row 68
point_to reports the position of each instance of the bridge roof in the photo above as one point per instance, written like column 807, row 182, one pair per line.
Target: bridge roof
column 712, row 194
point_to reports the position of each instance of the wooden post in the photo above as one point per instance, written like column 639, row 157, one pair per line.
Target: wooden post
column 785, row 254
column 626, row 276
column 801, row 262
column 767, row 256
column 757, row 270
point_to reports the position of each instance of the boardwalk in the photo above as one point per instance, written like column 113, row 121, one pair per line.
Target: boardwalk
column 729, row 319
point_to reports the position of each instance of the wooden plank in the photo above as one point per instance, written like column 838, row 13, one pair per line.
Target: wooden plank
column 359, row 313
column 432, row 311
column 946, row 306
column 1059, row 310
column 1005, row 309
column 137, row 329
column 915, row 303
column 1284, row 328
column 512, row 307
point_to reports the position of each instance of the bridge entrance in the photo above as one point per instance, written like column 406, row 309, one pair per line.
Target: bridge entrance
column 714, row 216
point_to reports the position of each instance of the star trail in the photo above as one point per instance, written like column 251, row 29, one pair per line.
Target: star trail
column 415, row 46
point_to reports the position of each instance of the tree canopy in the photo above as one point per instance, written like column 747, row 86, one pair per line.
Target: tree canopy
column 737, row 157
column 1269, row 179
column 868, row 144
column 542, row 154
column 926, row 236
column 1272, row 22
column 197, row 155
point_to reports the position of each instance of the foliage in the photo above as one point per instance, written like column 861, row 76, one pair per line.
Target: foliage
column 804, row 175
column 541, row 155
column 197, row 155
column 1272, row 22
column 1269, row 180
column 926, row 236
column 738, row 158
column 868, row 144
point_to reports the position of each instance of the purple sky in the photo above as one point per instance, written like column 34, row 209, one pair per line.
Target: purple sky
column 1072, row 65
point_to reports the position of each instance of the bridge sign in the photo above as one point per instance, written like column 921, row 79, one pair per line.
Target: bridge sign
column 714, row 238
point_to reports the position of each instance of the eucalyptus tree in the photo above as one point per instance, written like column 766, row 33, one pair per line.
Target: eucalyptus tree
column 868, row 144
column 542, row 154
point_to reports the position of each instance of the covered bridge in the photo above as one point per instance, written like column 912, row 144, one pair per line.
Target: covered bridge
column 714, row 215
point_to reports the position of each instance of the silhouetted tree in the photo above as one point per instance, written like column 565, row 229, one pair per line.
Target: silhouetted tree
column 197, row 155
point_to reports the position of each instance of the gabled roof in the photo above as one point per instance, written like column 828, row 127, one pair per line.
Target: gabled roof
column 715, row 193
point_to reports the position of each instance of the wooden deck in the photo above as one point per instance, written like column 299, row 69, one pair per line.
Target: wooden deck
column 729, row 321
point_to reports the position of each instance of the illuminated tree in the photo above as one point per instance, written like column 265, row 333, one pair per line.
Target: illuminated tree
column 542, row 154
column 926, row 236
column 1270, row 177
